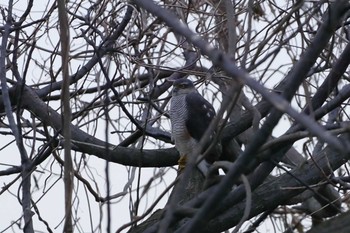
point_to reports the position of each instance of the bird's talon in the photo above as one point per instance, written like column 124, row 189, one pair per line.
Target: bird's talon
column 182, row 162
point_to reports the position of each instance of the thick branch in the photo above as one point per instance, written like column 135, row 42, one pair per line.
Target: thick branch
column 339, row 224
column 279, row 190
column 88, row 144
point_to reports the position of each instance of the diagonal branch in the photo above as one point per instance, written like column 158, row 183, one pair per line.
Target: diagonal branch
column 293, row 80
column 86, row 143
column 281, row 189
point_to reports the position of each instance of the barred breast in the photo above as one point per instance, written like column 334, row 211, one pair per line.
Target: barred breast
column 184, row 143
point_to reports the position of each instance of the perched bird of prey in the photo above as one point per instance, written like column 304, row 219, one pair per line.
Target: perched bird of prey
column 190, row 116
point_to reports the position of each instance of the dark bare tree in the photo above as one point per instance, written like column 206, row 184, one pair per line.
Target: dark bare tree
column 85, row 129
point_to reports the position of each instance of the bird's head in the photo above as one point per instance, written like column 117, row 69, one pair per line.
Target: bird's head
column 183, row 86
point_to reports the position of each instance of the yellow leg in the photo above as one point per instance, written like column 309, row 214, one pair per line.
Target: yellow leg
column 182, row 162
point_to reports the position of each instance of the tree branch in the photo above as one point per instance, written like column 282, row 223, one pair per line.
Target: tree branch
column 15, row 128
column 66, row 114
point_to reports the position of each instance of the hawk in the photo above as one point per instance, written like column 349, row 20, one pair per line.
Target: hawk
column 190, row 116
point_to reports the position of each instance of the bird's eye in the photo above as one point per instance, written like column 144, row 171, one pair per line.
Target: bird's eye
column 182, row 85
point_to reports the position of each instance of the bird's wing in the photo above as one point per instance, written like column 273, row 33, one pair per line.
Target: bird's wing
column 200, row 114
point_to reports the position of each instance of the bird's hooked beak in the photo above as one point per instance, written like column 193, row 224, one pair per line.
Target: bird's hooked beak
column 182, row 86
